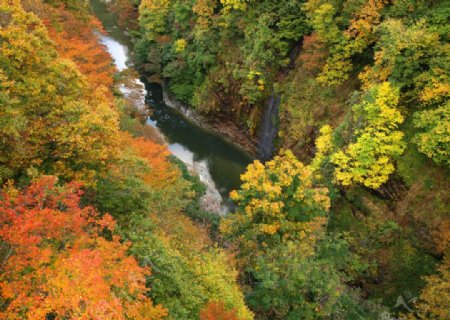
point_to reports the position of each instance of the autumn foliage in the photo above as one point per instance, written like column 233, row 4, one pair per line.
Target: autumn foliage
column 362, row 219
column 60, row 121
column 162, row 172
column 76, row 40
column 217, row 311
column 277, row 202
column 53, row 120
column 434, row 300
column 56, row 259
column 127, row 13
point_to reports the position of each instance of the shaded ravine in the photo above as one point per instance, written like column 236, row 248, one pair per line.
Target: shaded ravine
column 269, row 128
column 218, row 163
column 268, row 131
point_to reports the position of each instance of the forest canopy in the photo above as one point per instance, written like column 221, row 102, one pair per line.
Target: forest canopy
column 347, row 218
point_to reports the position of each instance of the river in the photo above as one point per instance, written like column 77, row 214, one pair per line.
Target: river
column 218, row 162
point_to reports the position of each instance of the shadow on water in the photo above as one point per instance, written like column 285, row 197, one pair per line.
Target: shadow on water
column 191, row 143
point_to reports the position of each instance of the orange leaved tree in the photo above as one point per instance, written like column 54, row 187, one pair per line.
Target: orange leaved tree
column 162, row 172
column 217, row 311
column 76, row 40
column 61, row 260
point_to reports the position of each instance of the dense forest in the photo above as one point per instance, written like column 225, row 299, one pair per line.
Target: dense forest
column 343, row 214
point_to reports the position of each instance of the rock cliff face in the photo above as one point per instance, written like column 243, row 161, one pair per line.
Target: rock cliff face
column 227, row 129
column 134, row 91
column 269, row 129
column 185, row 110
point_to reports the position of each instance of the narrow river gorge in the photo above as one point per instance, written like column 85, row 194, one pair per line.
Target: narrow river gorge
column 218, row 163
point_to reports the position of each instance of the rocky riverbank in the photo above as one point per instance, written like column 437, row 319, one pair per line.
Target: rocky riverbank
column 212, row 200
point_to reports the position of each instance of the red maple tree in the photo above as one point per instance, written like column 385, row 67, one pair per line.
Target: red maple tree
column 63, row 260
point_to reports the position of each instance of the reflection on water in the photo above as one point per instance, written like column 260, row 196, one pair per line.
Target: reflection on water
column 182, row 153
column 191, row 143
column 222, row 161
column 118, row 52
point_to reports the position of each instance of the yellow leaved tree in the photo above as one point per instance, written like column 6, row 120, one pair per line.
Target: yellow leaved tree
column 370, row 159
column 52, row 120
column 434, row 300
column 277, row 202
